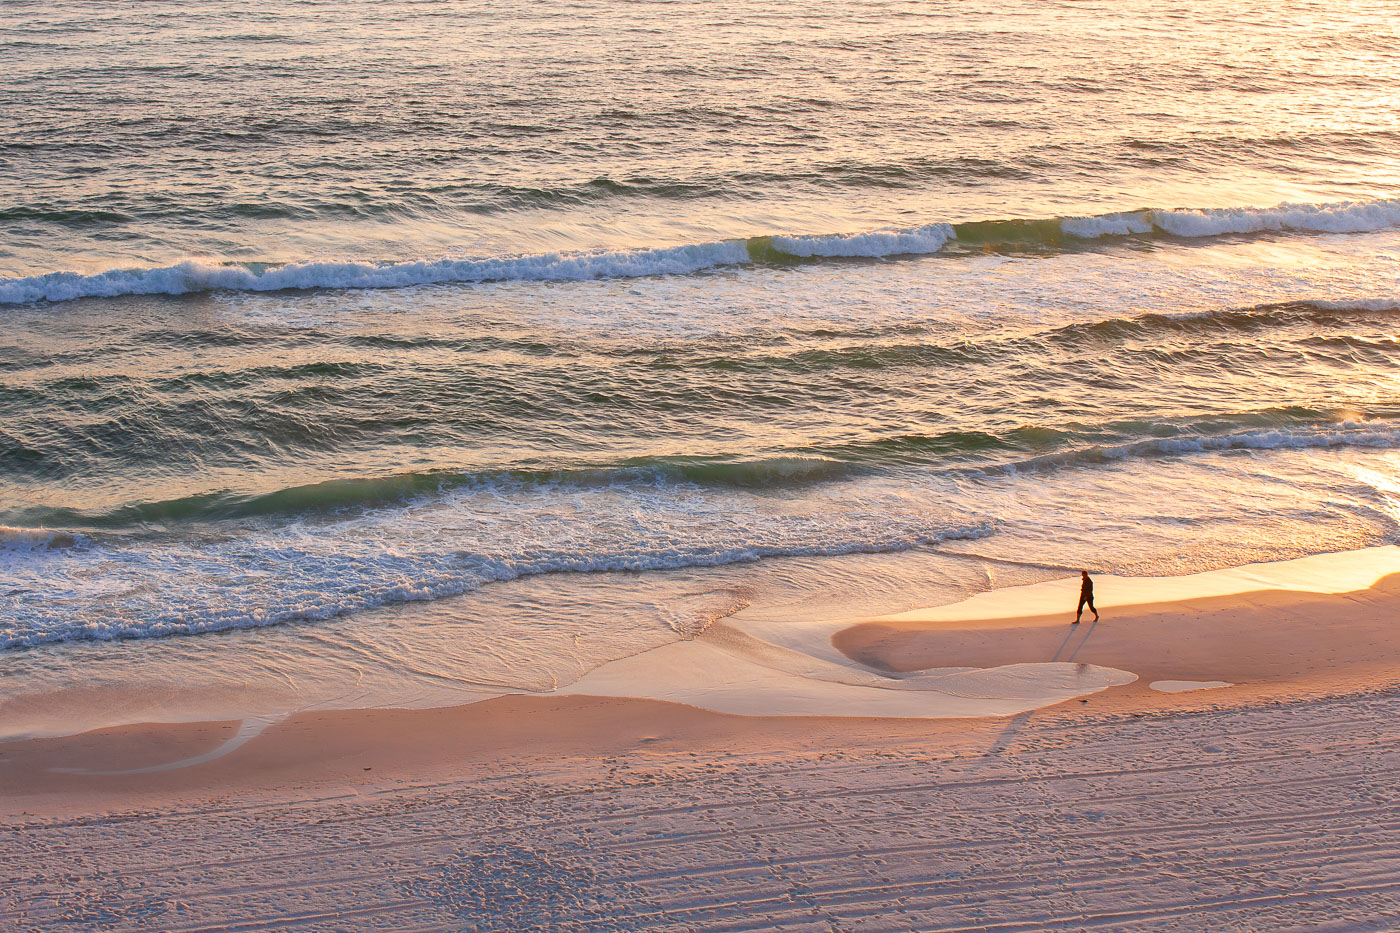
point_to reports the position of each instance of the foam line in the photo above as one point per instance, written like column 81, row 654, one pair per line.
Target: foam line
column 1338, row 217
column 329, row 582
column 195, row 275
column 201, row 275
column 920, row 240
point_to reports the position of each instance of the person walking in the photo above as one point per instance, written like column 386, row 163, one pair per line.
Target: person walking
column 1086, row 595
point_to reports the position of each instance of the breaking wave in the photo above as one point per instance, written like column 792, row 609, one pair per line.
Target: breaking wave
column 436, row 546
column 1337, row 217
column 1040, row 447
column 35, row 539
column 379, row 491
column 201, row 275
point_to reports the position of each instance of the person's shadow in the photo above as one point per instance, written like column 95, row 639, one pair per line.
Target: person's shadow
column 1015, row 723
column 1086, row 630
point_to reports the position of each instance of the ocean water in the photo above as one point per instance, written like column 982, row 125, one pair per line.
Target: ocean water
column 401, row 352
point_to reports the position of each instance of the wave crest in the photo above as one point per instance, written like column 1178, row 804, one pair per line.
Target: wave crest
column 1338, row 217
column 194, row 275
column 877, row 243
column 201, row 275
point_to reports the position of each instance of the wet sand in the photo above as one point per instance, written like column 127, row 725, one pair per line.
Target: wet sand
column 1268, row 803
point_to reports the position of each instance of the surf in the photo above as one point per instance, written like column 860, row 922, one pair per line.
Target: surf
column 196, row 275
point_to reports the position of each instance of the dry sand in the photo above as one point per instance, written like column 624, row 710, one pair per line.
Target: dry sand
column 1268, row 804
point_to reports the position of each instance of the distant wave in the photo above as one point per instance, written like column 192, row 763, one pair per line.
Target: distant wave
column 1351, row 434
column 1339, row 217
column 1284, row 313
column 881, row 355
column 1057, row 447
column 200, row 275
column 920, row 240
column 1040, row 447
column 375, row 491
column 194, row 275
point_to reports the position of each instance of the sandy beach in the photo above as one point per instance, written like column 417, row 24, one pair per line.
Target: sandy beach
column 1269, row 803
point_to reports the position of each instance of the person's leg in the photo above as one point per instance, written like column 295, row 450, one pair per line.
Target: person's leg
column 1079, row 611
column 1092, row 609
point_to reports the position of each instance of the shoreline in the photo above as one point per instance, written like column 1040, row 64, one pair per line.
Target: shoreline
column 1232, row 627
column 1266, row 804
column 748, row 665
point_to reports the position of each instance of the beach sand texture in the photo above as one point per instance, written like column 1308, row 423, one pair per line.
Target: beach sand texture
column 1267, row 804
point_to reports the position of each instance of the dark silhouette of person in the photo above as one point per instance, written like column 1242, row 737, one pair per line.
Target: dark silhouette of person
column 1086, row 595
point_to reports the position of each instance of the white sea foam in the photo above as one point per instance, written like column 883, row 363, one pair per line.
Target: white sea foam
column 432, row 548
column 194, row 275
column 926, row 239
column 1341, row 217
column 1347, row 434
column 1337, row 217
column 1360, row 304
column 1108, row 225
column 198, row 275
